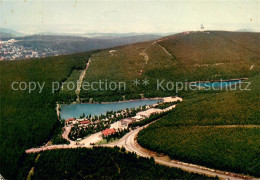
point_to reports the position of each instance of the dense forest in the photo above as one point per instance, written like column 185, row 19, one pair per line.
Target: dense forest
column 216, row 129
column 198, row 56
column 29, row 119
column 101, row 163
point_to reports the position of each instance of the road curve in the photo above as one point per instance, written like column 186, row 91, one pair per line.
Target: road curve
column 130, row 144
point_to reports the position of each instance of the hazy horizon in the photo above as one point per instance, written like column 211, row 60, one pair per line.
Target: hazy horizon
column 145, row 16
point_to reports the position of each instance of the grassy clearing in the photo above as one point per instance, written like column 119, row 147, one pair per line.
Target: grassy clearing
column 104, row 141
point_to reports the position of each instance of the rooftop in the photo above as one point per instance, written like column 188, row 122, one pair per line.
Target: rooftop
column 108, row 132
column 84, row 122
column 148, row 112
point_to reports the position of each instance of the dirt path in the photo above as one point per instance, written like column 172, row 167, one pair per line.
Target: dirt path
column 145, row 56
column 45, row 148
column 112, row 52
column 167, row 52
column 66, row 133
column 80, row 80
column 251, row 68
column 83, row 143
column 58, row 110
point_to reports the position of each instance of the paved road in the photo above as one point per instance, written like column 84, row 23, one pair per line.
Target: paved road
column 130, row 144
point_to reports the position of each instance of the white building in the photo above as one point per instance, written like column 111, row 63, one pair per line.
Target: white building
column 116, row 125
column 149, row 112
column 137, row 118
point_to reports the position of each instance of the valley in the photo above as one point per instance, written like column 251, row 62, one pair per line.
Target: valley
column 215, row 129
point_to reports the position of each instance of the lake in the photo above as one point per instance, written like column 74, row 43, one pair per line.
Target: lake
column 217, row 84
column 76, row 110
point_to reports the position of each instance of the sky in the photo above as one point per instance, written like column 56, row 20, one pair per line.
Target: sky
column 123, row 16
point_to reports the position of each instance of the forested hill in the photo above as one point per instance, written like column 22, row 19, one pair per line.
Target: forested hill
column 188, row 56
column 28, row 120
column 100, row 163
column 74, row 44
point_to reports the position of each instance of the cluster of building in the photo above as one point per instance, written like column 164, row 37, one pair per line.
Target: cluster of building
column 151, row 110
column 11, row 50
column 74, row 121
column 122, row 123
column 84, row 122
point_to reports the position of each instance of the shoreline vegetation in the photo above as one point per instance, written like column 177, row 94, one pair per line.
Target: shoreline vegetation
column 111, row 117
column 119, row 101
column 96, row 124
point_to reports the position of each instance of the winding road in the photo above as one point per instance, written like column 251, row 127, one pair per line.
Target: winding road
column 130, row 144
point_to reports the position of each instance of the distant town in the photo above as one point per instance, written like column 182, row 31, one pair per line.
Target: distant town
column 10, row 50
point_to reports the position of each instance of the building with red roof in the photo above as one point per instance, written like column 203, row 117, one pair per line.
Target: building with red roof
column 85, row 122
column 70, row 119
column 108, row 132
